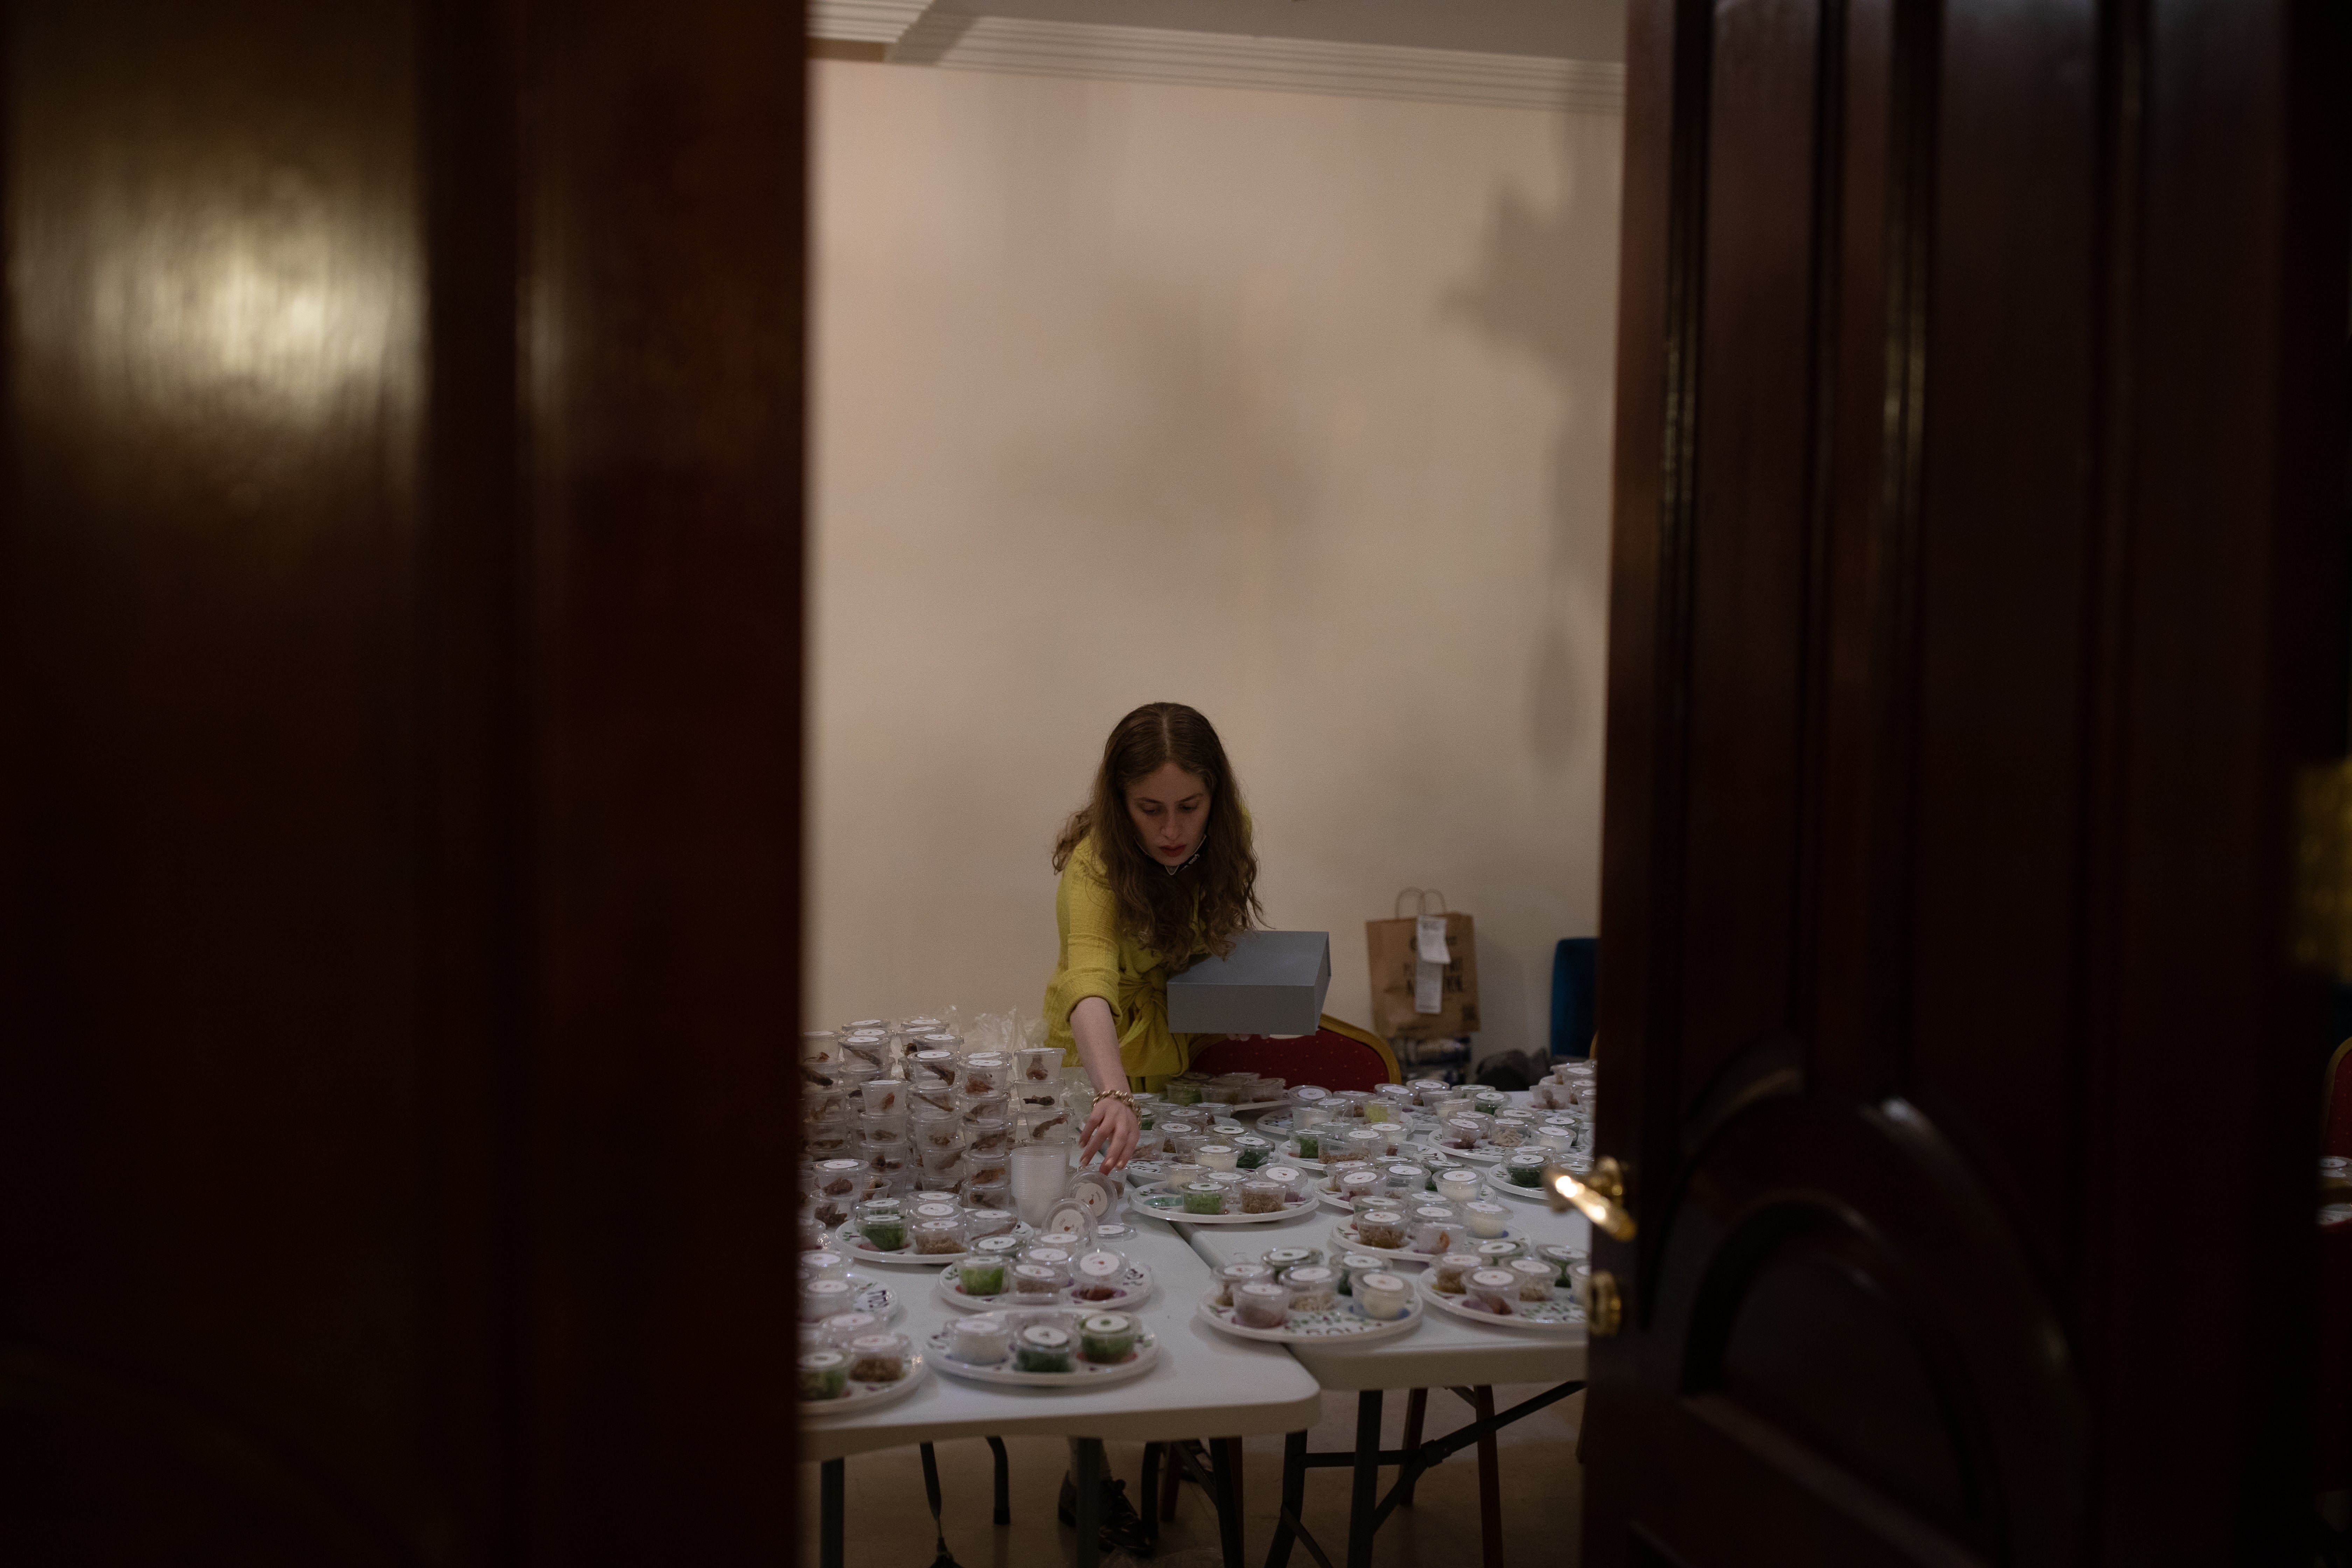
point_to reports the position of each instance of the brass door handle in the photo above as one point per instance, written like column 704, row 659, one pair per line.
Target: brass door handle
column 1594, row 1195
column 1604, row 1308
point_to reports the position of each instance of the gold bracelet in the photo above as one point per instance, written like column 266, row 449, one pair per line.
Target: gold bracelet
column 1124, row 1095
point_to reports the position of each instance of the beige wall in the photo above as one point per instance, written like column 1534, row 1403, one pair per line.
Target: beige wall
column 1294, row 408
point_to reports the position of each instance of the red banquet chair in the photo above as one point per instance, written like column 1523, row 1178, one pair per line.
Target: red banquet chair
column 1336, row 1056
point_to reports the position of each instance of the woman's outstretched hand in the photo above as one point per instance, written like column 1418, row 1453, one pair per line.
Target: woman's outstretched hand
column 1111, row 1127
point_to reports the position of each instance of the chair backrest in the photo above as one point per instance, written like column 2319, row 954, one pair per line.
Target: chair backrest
column 1336, row 1056
column 1574, row 963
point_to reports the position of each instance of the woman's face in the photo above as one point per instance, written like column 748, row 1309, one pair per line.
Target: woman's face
column 1171, row 812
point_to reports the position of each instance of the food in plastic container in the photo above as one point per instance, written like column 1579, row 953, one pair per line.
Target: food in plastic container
column 1461, row 1133
column 1041, row 1347
column 1261, row 1304
column 1383, row 1296
column 1486, row 1218
column 879, row 1358
column 1204, row 1198
column 837, row 1178
column 1524, row 1168
column 883, row 1097
column 1305, row 1144
column 1036, row 1281
column 820, row 1047
column 1491, row 1290
column 1489, row 1100
column 1450, row 1275
column 825, row 1374
column 889, row 1129
column 1562, row 1259
column 1291, row 1179
column 987, row 1072
column 982, row 1338
column 1495, row 1254
column 941, row 1156
column 1106, row 1339
column 1218, row 1156
column 1095, row 1274
column 839, row 1330
column 1435, row 1229
column 984, row 1222
column 1381, row 1227
column 1404, row 1179
column 934, row 1237
column 820, row 1298
column 982, row 1274
column 987, row 1135
column 871, row 1049
column 1261, row 1197
column 1506, row 1132
column 937, row 1068
column 1536, row 1276
column 1352, row 1265
column 1177, row 1175
column 1457, row 1187
column 1362, row 1184
column 883, row 1223
column 1250, row 1151
column 1234, row 1274
column 947, row 1180
column 1038, row 1063
column 824, row 1266
column 1281, row 1258
column 1313, row 1287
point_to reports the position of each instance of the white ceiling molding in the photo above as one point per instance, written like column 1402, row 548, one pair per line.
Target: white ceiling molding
column 863, row 21
column 1284, row 65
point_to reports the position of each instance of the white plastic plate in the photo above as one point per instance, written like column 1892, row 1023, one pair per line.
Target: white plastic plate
column 849, row 1244
column 942, row 1343
column 1173, row 1211
column 1344, row 1324
column 1344, row 1234
column 1135, row 1285
column 1561, row 1315
column 861, row 1397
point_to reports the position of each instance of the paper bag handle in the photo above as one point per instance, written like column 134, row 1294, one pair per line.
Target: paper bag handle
column 1420, row 901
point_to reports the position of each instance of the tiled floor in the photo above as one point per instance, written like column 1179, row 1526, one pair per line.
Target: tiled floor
column 891, row 1526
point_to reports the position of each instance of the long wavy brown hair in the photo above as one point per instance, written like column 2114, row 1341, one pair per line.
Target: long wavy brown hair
column 1154, row 907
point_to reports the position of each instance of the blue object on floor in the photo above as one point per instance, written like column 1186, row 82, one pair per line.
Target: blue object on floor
column 1574, row 963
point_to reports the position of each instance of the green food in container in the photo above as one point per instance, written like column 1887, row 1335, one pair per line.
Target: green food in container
column 1106, row 1338
column 982, row 1276
column 1249, row 1159
column 1183, row 1094
column 1524, row 1173
column 887, row 1233
column 1310, row 1145
column 1043, row 1349
column 1204, row 1198
column 825, row 1374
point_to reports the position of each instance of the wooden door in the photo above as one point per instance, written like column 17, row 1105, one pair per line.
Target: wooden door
column 1976, row 597
column 399, row 537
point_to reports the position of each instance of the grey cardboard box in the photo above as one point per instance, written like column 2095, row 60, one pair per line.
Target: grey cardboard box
column 1272, row 984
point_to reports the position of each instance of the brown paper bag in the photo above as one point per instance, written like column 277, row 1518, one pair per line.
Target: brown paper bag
column 1392, row 949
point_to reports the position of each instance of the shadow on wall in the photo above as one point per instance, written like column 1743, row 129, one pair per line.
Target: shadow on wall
column 1548, row 285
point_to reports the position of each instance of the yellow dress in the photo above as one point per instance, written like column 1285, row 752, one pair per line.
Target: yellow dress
column 1099, row 960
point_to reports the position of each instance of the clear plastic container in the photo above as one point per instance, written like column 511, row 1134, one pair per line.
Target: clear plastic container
column 1495, row 1254
column 1354, row 1266
column 937, row 1068
column 1486, row 1218
column 1548, row 1096
column 1462, row 1133
column 825, row 1374
column 1399, row 1097
column 926, row 1124
column 1096, row 1273
column 823, row 1265
column 1259, row 1196
column 1490, row 1289
column 1261, row 1304
column 931, row 1039
column 884, row 1357
column 1292, row 1180
column 932, row 1237
column 988, row 1134
column 1250, row 1150
column 989, row 1171
column 1384, row 1297
column 1458, row 1186
column 1041, row 1347
column 883, row 1223
column 1237, row 1274
column 1204, row 1198
column 1035, row 1282
column 994, row 1196
column 870, row 1048
column 820, row 1298
column 985, row 1274
column 1381, row 1227
column 982, row 1338
column 1217, row 1156
column 1450, row 1275
column 1508, row 1132
column 1524, row 1168
column 1489, row 1100
column 1305, row 1143
column 990, row 1107
column 828, row 1137
column 1562, row 1257
column 1369, row 1142
column 941, row 1156
column 838, row 1330
column 1038, row 1063
column 1281, row 1258
column 1176, row 1176
column 891, row 1129
column 1404, row 1179
column 1537, row 1279
column 837, row 1178
column 820, row 1047
column 1357, row 1182
column 987, row 1072
column 1106, row 1339
column 1045, row 1127
column 1313, row 1287
column 826, row 1104
column 943, row 1181
column 1436, row 1229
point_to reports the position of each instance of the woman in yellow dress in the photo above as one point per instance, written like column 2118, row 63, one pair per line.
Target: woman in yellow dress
column 1158, row 871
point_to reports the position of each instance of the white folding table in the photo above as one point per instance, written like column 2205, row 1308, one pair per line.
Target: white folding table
column 1445, row 1352
column 1207, row 1385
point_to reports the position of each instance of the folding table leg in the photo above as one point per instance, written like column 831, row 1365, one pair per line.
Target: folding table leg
column 1416, row 1410
column 1490, row 1479
column 1368, row 1480
column 829, row 1510
column 1086, row 1475
column 1294, row 1498
column 1225, row 1469
column 1150, row 1509
column 1003, row 1481
column 1174, row 1477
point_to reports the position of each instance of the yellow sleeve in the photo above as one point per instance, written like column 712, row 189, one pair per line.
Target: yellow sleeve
column 1088, row 919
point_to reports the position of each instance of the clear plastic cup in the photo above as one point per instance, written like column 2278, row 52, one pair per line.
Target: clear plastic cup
column 1261, row 1304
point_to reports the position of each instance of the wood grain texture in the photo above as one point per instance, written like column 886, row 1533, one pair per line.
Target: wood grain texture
column 400, row 831
column 1964, row 646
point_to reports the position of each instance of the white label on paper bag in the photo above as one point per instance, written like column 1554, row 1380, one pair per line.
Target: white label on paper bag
column 1431, row 932
column 1426, row 977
